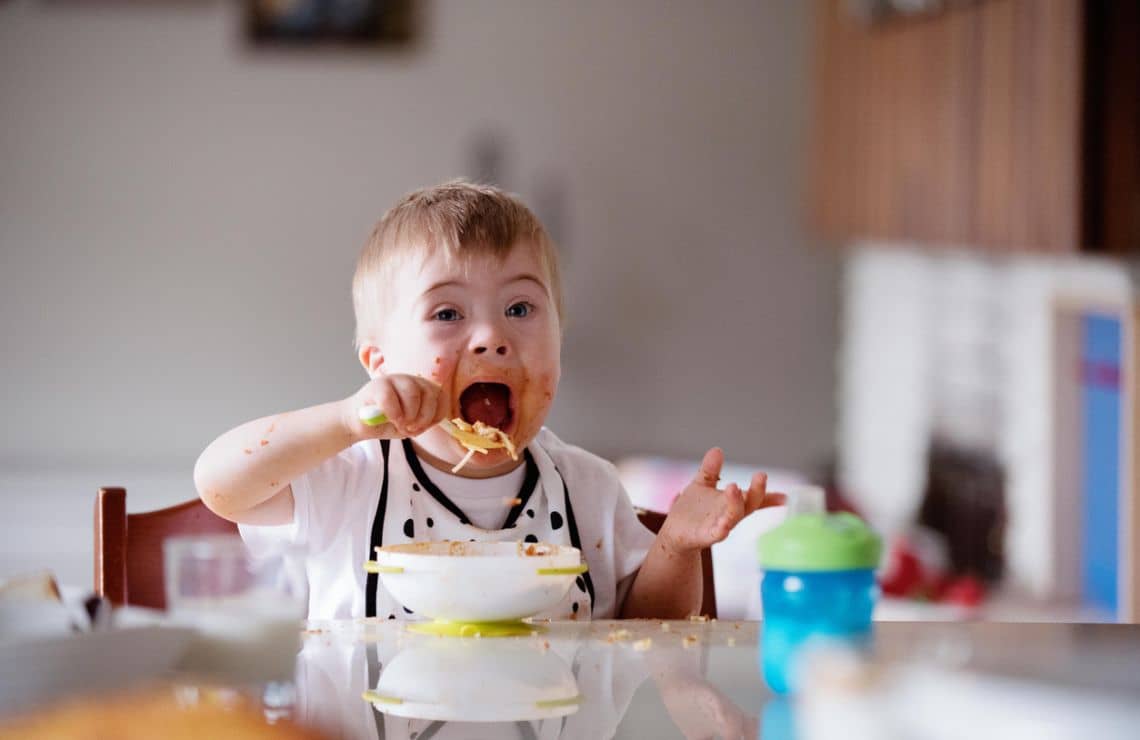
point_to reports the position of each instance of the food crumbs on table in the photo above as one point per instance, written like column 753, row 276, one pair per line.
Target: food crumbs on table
column 312, row 632
column 665, row 627
column 618, row 635
column 642, row 645
column 698, row 618
column 731, row 641
column 689, row 641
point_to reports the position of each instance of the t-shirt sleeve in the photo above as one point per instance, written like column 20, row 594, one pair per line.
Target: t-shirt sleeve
column 318, row 504
column 632, row 541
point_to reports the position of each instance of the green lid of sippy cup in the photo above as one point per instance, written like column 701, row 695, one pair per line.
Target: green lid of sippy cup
column 817, row 541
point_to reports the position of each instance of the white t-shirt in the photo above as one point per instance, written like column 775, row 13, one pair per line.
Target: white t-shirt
column 481, row 499
column 378, row 493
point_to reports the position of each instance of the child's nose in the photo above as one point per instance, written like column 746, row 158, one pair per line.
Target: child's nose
column 489, row 337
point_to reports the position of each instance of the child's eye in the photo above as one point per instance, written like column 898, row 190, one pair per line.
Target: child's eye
column 446, row 314
column 520, row 309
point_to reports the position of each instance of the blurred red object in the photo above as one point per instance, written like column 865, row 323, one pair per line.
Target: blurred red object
column 904, row 575
column 964, row 590
column 916, row 569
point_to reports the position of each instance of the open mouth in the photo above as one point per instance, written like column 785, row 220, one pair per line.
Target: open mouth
column 489, row 403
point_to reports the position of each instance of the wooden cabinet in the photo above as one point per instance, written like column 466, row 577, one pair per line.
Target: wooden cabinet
column 1004, row 124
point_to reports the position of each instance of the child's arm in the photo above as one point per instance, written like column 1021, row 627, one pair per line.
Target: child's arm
column 695, row 704
column 244, row 474
column 669, row 583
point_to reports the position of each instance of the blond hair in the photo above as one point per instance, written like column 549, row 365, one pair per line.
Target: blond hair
column 458, row 217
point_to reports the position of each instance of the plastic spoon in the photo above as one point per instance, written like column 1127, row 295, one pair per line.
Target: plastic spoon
column 373, row 416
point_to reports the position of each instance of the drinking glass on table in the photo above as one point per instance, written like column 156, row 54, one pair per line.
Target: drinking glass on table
column 248, row 609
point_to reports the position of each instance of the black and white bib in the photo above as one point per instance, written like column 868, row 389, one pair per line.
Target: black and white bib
column 412, row 508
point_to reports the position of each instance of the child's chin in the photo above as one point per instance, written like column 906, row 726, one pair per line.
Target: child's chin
column 492, row 459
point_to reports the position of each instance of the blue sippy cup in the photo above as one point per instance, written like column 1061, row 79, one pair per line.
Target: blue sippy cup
column 818, row 584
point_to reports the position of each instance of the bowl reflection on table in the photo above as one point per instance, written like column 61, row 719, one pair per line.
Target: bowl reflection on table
column 476, row 681
column 478, row 581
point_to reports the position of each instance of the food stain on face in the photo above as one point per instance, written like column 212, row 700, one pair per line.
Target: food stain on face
column 264, row 442
column 273, row 484
column 248, row 451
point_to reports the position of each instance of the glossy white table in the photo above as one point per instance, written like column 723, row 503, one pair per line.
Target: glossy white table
column 648, row 679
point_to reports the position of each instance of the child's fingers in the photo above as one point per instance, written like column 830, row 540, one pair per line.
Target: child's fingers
column 411, row 396
column 709, row 472
column 732, row 513
column 385, row 396
column 429, row 404
column 737, row 503
column 756, row 492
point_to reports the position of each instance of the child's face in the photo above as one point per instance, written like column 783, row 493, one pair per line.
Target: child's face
column 488, row 334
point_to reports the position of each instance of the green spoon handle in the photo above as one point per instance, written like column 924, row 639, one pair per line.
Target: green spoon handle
column 373, row 416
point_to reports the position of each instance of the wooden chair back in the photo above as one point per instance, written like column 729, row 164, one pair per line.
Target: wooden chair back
column 128, row 547
column 653, row 521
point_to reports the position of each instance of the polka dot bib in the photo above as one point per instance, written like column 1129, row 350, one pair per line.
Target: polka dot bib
column 412, row 508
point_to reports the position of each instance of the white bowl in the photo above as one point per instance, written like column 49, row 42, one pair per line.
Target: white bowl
column 478, row 581
column 476, row 681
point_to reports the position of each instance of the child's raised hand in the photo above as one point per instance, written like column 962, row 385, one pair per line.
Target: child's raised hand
column 704, row 514
column 411, row 404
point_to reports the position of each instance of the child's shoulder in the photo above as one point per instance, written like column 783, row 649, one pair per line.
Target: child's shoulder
column 356, row 465
column 574, row 461
column 364, row 454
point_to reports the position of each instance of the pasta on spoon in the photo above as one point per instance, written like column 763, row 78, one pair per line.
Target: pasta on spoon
column 477, row 438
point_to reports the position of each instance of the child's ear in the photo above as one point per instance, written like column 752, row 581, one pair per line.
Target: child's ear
column 371, row 358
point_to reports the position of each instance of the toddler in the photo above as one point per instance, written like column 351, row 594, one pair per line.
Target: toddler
column 458, row 315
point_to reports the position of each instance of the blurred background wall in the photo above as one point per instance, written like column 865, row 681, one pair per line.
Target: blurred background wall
column 180, row 214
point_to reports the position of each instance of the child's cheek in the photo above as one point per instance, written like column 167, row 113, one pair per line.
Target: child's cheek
column 549, row 386
column 539, row 398
column 441, row 369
